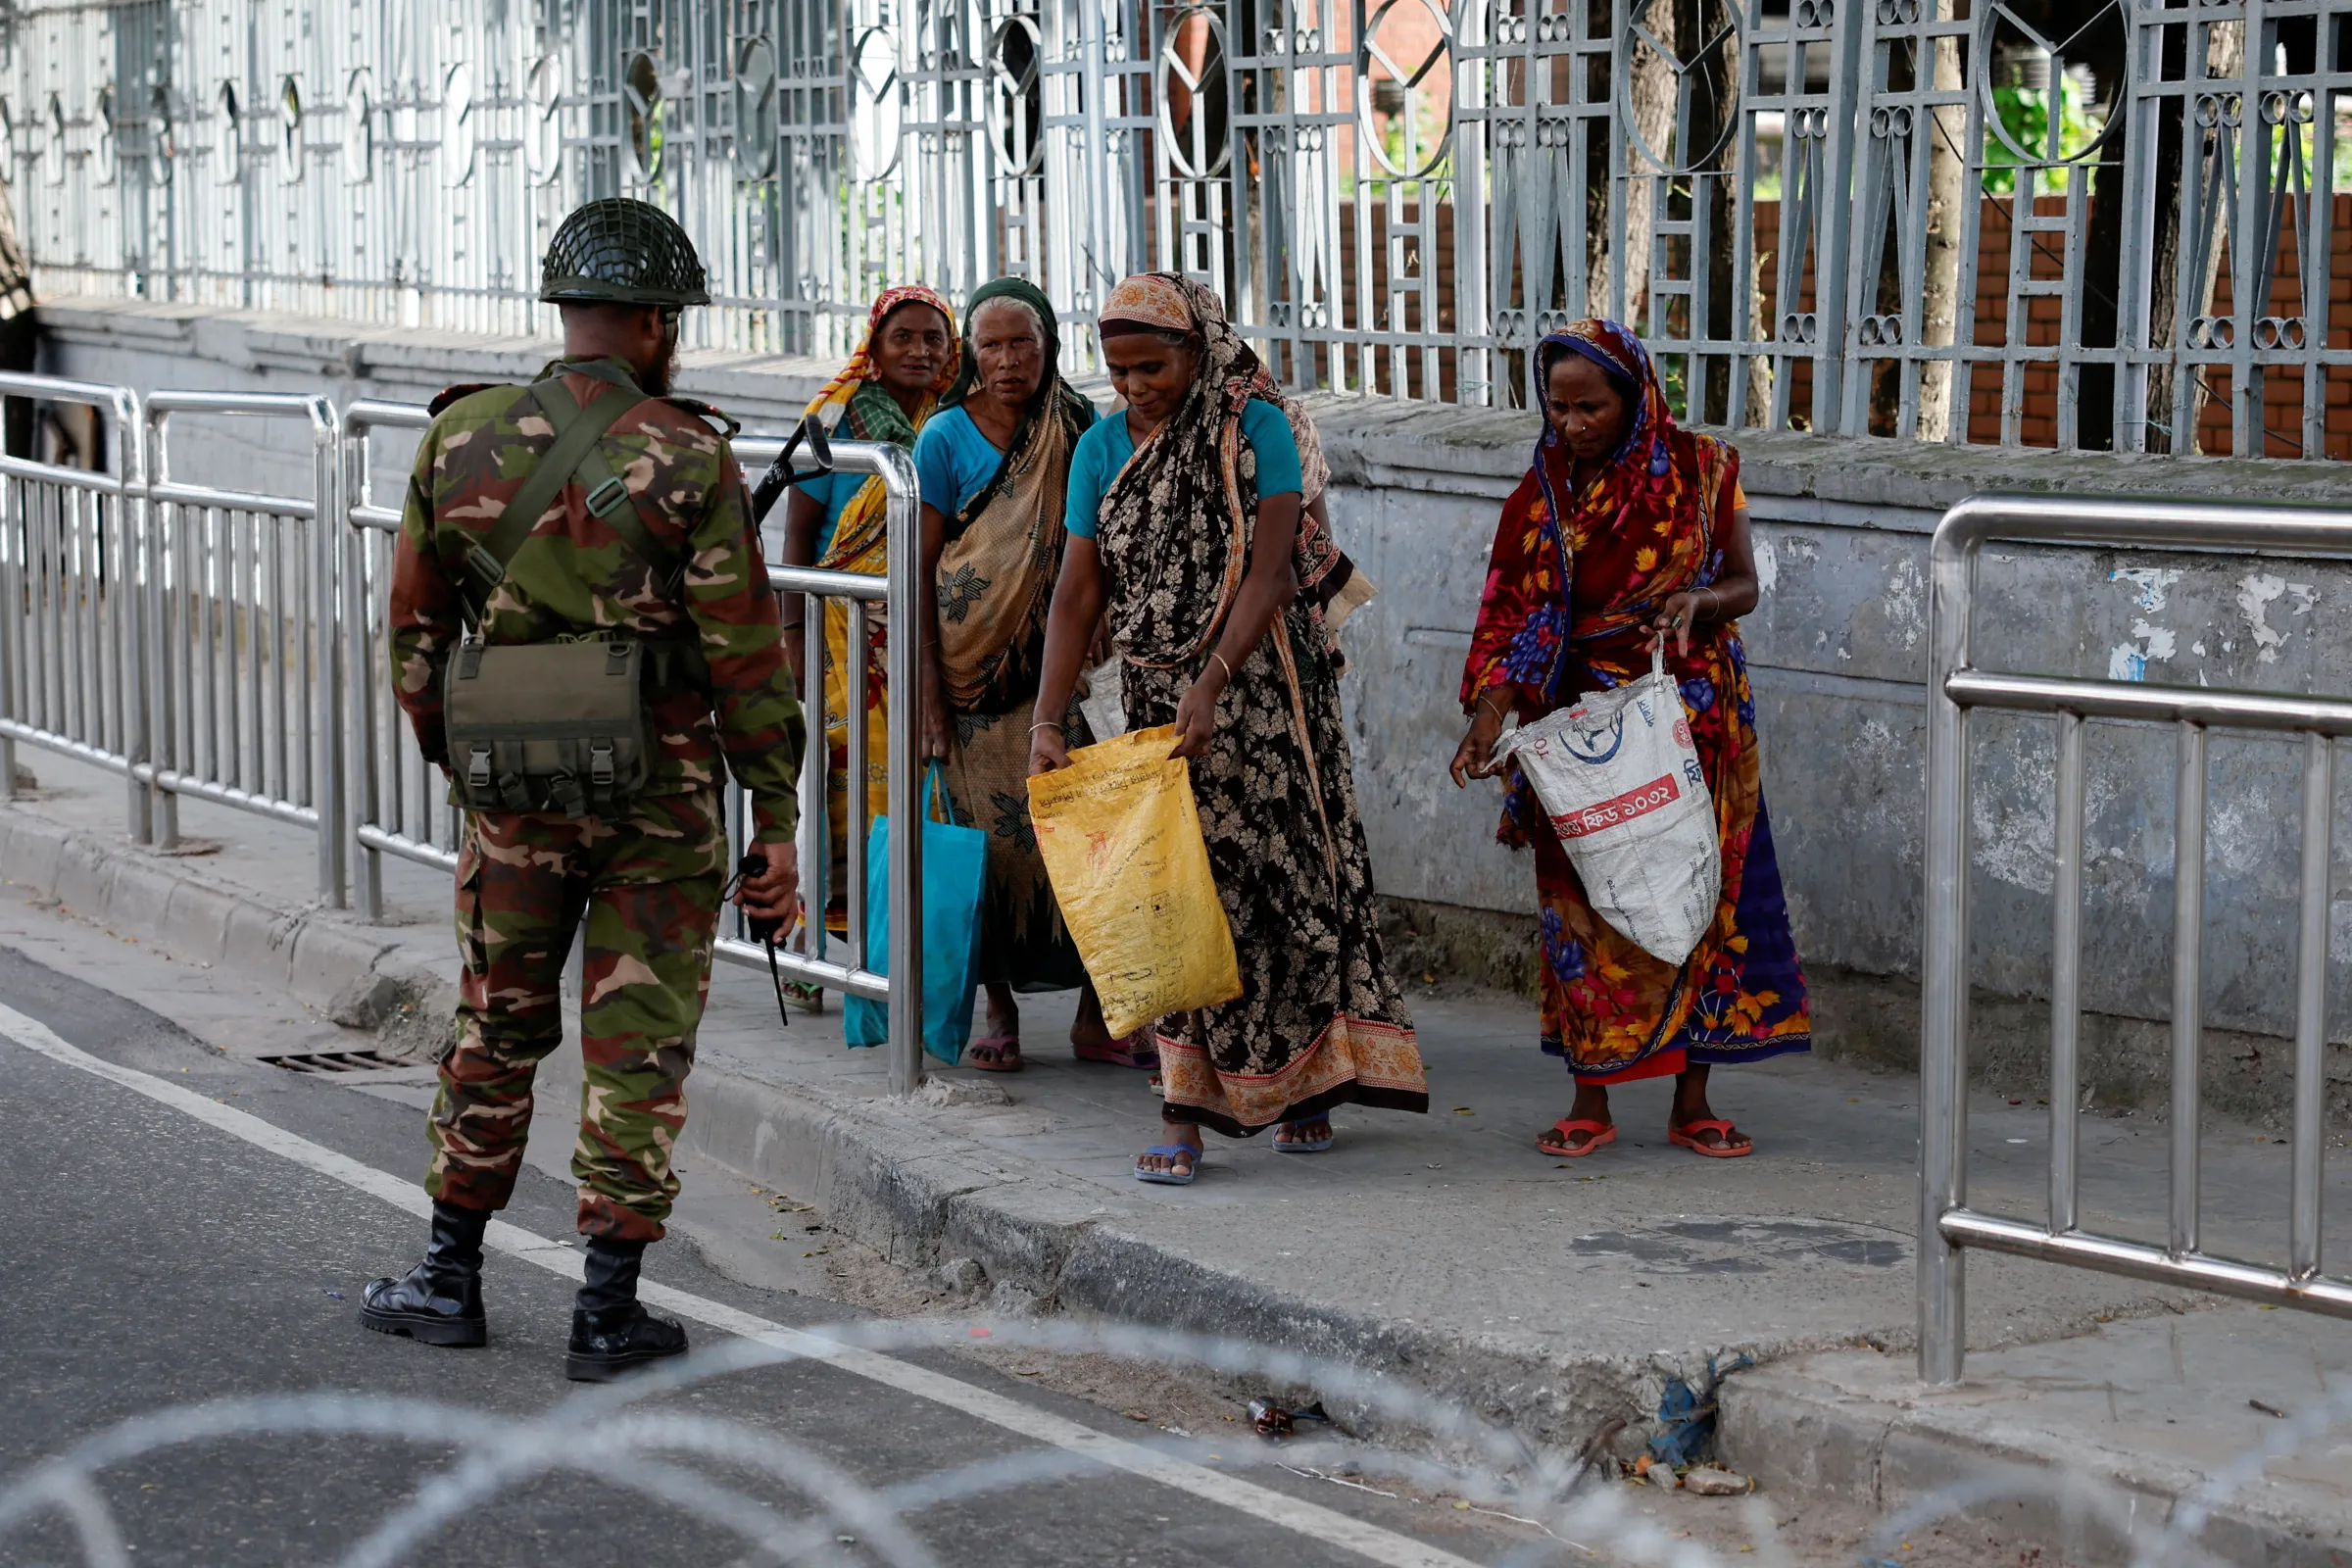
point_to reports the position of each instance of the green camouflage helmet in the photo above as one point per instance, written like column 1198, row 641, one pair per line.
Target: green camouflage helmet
column 618, row 251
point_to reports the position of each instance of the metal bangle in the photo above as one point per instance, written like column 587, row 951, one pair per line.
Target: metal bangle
column 1498, row 713
column 1047, row 723
column 1228, row 668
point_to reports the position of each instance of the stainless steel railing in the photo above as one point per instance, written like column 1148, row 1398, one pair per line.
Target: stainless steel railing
column 72, row 661
column 1949, row 1226
column 232, row 645
column 241, row 615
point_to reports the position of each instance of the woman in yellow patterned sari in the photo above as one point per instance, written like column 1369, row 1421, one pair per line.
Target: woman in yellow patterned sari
column 885, row 392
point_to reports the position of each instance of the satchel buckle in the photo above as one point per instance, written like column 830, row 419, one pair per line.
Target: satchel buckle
column 601, row 771
column 477, row 769
column 607, row 498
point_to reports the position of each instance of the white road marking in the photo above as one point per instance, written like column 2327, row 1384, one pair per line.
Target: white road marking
column 1367, row 1540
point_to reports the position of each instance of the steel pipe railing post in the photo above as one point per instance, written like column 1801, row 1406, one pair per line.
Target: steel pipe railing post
column 2309, row 1146
column 2188, row 986
column 326, row 647
column 2065, row 980
column 1943, row 973
column 907, row 807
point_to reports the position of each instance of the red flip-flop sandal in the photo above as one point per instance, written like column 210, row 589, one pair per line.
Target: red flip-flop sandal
column 1687, row 1133
column 1600, row 1133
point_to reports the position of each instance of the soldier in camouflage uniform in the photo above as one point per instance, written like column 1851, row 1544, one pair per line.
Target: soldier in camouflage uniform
column 648, row 880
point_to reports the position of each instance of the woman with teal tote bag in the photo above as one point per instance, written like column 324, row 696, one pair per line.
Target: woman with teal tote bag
column 954, row 875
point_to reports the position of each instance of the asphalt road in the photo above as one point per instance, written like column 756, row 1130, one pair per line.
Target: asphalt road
column 153, row 1262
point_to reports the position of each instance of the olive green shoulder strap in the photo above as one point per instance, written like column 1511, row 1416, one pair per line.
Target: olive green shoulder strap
column 578, row 431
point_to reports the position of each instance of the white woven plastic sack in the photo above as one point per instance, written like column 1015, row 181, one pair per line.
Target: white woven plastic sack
column 1619, row 778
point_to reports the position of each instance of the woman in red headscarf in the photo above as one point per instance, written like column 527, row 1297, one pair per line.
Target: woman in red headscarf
column 1629, row 531
column 886, row 391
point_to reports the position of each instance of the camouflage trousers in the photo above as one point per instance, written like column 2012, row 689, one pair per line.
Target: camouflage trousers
column 648, row 884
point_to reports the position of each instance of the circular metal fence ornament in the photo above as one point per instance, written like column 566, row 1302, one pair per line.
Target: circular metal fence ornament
column 875, row 115
column 1198, row 147
column 1016, row 95
column 543, row 131
column 106, row 154
column 1410, row 91
column 1997, row 128
column 758, row 134
column 358, row 127
column 228, row 144
column 641, row 92
column 457, row 126
column 53, row 169
column 290, row 130
column 1725, row 48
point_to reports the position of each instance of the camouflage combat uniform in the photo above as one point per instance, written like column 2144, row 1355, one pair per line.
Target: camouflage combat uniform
column 648, row 882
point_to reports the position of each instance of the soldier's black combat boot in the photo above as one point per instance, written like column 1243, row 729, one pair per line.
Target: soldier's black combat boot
column 610, row 1331
column 440, row 1299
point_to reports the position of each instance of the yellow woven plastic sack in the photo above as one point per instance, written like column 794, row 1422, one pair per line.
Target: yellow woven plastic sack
column 1121, row 842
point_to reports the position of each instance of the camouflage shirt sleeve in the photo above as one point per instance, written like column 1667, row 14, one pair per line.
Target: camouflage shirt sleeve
column 760, row 723
column 427, row 615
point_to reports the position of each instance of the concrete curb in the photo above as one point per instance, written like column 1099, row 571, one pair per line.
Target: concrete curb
column 1799, row 1433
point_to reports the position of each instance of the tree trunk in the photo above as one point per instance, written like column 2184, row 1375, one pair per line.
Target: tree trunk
column 1650, row 91
column 2225, row 56
column 1944, row 395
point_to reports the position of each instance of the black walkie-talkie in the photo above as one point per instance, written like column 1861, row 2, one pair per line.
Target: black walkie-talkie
column 764, row 931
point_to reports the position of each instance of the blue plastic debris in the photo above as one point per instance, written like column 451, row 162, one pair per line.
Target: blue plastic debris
column 1689, row 1416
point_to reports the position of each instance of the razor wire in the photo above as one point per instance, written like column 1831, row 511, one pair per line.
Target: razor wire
column 588, row 1432
column 2101, row 224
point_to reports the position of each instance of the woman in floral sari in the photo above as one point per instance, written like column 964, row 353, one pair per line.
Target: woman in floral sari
column 994, row 466
column 885, row 392
column 1627, row 533
column 1184, row 521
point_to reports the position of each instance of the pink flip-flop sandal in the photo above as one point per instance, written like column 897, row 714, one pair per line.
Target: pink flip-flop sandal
column 994, row 1053
column 1128, row 1050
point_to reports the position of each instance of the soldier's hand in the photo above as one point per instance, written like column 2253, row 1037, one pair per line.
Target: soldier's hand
column 775, row 892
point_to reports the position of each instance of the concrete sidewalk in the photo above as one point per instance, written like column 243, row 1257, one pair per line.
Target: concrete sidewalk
column 1553, row 1295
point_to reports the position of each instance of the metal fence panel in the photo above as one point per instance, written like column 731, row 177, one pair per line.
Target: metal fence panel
column 71, row 656
column 1911, row 218
column 1956, row 688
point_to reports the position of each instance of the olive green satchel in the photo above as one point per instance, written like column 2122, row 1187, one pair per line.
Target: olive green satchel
column 558, row 726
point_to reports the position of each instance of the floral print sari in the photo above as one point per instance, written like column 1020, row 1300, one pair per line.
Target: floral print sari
column 1574, row 579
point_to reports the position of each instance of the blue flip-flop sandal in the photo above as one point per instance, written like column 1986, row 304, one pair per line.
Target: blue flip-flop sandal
column 1169, row 1178
column 1298, row 1146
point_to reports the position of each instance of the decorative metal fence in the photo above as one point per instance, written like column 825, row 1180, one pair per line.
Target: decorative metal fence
column 2093, row 222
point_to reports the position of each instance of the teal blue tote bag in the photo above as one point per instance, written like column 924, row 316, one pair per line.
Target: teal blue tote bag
column 954, row 875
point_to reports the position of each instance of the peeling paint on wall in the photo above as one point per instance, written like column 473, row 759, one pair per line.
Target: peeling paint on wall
column 2255, row 596
column 2129, row 660
column 1906, row 603
column 2152, row 583
column 1768, row 566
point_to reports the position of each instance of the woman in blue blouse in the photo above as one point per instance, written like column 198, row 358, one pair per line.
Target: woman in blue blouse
column 993, row 465
column 1186, row 525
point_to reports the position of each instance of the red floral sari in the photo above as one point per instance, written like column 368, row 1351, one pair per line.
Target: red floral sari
column 1565, row 613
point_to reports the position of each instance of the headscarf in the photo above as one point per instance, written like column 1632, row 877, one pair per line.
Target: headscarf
column 856, row 405
column 1643, row 525
column 1004, row 552
column 1190, row 468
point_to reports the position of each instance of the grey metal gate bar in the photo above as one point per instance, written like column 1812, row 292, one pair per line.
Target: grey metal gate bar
column 1947, row 1225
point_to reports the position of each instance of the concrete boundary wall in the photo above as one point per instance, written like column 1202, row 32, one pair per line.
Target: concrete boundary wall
column 1838, row 654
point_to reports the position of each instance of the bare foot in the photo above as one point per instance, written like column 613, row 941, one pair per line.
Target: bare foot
column 1088, row 1033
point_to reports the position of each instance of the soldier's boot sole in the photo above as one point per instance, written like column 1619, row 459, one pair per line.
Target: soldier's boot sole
column 428, row 1328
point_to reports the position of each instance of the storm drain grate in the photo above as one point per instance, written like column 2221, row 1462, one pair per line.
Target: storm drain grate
column 338, row 1061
